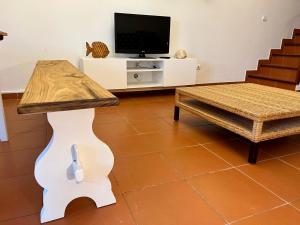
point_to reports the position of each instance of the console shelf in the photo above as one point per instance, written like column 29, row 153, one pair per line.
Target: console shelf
column 144, row 73
column 144, row 70
column 127, row 73
column 144, row 85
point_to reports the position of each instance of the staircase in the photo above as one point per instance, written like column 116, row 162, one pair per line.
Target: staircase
column 282, row 69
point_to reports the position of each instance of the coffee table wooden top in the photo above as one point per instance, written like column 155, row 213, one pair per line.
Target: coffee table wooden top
column 57, row 85
column 253, row 101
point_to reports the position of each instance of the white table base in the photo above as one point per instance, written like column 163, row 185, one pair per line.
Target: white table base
column 66, row 174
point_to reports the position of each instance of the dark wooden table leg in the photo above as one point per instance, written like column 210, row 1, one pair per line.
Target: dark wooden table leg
column 176, row 113
column 253, row 152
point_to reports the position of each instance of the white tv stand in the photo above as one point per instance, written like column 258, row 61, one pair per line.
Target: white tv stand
column 127, row 73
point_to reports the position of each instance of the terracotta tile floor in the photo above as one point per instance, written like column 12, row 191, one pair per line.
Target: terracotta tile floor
column 166, row 173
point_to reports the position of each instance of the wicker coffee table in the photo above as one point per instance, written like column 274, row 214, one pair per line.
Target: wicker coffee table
column 256, row 112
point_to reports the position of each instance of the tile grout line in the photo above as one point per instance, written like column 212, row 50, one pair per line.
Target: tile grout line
column 129, row 209
column 289, row 164
column 181, row 178
column 153, row 186
column 296, row 200
column 155, row 151
column 258, row 183
column 206, row 201
column 215, row 154
column 123, row 196
column 238, row 169
column 27, row 131
column 19, row 217
column 121, row 158
column 18, row 176
column 23, row 149
column 130, row 124
column 290, row 204
column 142, row 189
column 125, row 119
column 277, row 157
column 137, row 155
column 186, row 179
column 259, row 213
column 263, row 186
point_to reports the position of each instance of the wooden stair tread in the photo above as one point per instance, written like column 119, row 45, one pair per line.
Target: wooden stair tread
column 281, row 66
column 287, row 54
column 268, row 77
column 291, row 42
column 296, row 32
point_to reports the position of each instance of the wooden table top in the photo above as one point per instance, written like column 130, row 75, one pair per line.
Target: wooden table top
column 57, row 85
column 253, row 101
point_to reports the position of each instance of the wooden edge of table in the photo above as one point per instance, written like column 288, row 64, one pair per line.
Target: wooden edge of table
column 57, row 85
column 65, row 106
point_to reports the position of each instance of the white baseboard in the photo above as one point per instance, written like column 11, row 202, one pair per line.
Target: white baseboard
column 13, row 91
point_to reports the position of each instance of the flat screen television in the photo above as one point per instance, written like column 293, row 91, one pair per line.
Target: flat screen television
column 141, row 34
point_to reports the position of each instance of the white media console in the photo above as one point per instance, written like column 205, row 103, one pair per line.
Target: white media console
column 127, row 73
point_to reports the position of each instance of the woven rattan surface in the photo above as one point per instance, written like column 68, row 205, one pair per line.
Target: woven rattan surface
column 253, row 101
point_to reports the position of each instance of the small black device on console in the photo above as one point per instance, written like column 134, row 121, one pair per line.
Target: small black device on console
column 142, row 34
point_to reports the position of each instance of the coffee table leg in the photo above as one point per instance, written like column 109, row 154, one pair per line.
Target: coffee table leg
column 176, row 113
column 253, row 152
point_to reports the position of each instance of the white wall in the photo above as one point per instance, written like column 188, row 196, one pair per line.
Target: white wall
column 227, row 36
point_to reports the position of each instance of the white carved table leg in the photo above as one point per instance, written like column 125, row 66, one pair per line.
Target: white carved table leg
column 73, row 149
column 3, row 129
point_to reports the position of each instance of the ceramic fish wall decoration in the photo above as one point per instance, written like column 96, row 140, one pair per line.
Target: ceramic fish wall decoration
column 98, row 49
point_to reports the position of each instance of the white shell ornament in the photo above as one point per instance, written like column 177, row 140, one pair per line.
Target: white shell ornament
column 180, row 54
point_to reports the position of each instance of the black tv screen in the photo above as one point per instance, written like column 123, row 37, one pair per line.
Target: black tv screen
column 141, row 34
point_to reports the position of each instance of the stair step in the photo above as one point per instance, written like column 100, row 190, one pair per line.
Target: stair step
column 291, row 42
column 271, row 74
column 267, row 77
column 282, row 60
column 296, row 32
column 289, row 49
column 282, row 66
column 296, row 38
column 287, row 54
column 272, row 83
